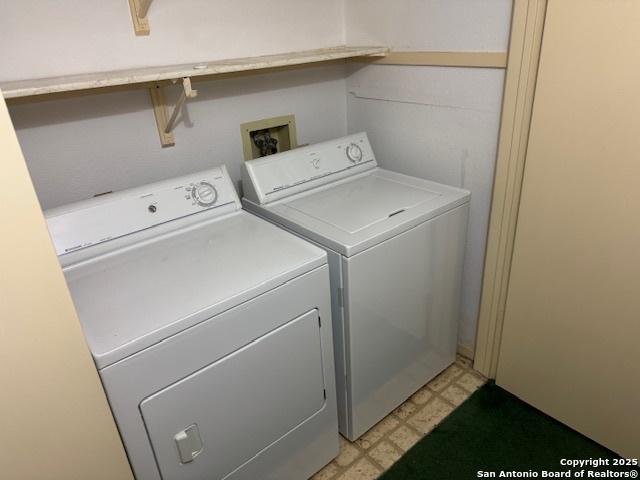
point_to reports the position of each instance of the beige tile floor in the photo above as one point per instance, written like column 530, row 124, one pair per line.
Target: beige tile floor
column 373, row 453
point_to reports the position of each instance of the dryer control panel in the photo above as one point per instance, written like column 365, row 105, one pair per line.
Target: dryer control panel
column 107, row 217
column 284, row 174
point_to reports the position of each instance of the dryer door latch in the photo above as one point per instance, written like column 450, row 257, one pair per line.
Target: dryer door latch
column 189, row 443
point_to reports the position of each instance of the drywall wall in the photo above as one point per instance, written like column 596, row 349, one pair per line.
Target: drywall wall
column 70, row 36
column 76, row 148
column 433, row 25
column 55, row 419
column 433, row 122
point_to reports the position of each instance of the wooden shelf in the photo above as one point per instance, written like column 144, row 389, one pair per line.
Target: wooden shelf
column 155, row 78
column 149, row 75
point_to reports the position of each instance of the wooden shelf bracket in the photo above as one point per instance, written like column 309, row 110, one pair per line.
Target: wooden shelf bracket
column 165, row 123
column 187, row 92
column 139, row 10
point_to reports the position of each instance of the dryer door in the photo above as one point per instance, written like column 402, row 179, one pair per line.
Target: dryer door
column 220, row 417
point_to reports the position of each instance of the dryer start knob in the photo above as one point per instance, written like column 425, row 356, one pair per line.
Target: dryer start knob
column 204, row 194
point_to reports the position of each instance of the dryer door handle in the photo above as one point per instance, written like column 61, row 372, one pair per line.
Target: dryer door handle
column 189, row 443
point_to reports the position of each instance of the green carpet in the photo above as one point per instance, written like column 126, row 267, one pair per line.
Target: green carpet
column 493, row 431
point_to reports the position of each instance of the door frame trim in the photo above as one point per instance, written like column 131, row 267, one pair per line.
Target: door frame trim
column 525, row 43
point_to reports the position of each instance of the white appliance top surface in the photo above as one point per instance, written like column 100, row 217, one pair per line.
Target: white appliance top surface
column 361, row 203
column 358, row 212
column 130, row 299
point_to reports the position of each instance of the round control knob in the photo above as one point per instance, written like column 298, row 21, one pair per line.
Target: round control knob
column 354, row 153
column 204, row 194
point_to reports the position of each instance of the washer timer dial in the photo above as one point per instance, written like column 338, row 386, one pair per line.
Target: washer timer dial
column 354, row 153
column 204, row 194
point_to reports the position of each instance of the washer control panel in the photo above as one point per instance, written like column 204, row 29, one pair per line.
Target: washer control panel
column 354, row 152
column 90, row 222
column 277, row 176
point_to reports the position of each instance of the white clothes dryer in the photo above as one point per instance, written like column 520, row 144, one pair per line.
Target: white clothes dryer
column 210, row 329
column 396, row 248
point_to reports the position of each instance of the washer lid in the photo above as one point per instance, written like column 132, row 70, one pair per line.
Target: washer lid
column 129, row 299
column 361, row 203
column 358, row 212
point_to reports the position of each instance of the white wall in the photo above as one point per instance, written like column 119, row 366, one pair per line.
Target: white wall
column 46, row 38
column 78, row 147
column 436, row 25
column 432, row 122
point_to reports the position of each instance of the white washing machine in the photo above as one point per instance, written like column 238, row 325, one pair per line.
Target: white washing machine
column 210, row 328
column 395, row 246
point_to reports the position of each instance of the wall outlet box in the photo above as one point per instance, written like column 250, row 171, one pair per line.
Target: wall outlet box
column 268, row 136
